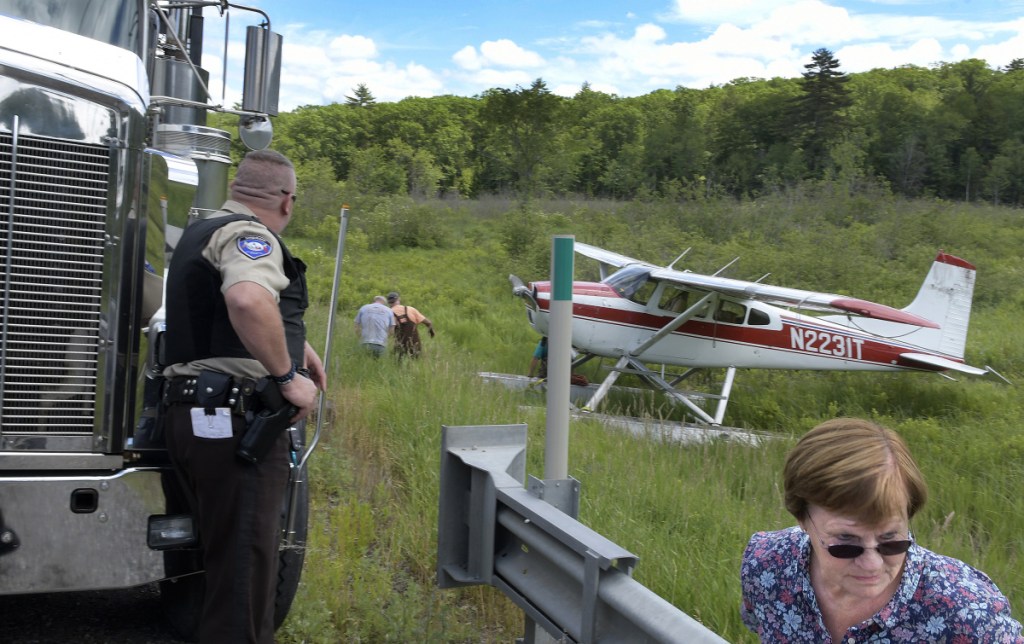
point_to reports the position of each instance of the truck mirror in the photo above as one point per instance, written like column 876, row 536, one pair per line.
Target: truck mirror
column 255, row 131
column 261, row 85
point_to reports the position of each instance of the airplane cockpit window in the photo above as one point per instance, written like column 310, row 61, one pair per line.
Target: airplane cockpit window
column 673, row 299
column 633, row 283
column 730, row 312
column 758, row 318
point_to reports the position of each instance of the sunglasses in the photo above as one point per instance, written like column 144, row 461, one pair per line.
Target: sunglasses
column 290, row 194
column 885, row 548
column 850, row 551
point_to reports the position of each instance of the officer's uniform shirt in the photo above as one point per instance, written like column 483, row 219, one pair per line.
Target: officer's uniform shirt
column 223, row 251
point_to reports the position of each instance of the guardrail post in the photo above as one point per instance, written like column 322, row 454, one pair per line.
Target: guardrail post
column 570, row 581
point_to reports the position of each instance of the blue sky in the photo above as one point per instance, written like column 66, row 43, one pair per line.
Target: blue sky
column 421, row 48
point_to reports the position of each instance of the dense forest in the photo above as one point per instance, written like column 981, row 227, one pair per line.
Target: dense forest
column 954, row 131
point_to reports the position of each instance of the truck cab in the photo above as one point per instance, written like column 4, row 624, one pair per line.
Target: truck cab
column 105, row 158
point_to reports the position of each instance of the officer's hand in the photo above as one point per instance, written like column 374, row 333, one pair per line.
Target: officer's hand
column 300, row 392
column 316, row 368
column 431, row 330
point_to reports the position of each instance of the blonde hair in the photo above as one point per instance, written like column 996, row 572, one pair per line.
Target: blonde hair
column 854, row 467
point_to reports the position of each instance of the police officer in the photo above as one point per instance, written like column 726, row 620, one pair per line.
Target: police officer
column 235, row 303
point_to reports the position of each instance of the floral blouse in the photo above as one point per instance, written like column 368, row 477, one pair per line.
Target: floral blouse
column 939, row 599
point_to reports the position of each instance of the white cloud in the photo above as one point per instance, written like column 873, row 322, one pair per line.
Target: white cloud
column 346, row 46
column 731, row 41
column 648, row 58
column 779, row 44
column 467, row 58
column 386, row 82
column 319, row 67
column 809, row 22
column 497, row 53
column 715, row 12
column 1001, row 53
column 499, row 63
column 863, row 57
column 307, row 56
column 904, row 29
column 961, row 51
column 505, row 53
column 924, row 52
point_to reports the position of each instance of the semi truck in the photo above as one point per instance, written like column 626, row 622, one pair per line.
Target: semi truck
column 105, row 158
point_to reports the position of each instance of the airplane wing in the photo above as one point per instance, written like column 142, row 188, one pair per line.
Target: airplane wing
column 782, row 296
column 607, row 259
column 606, row 256
column 943, row 363
column 776, row 295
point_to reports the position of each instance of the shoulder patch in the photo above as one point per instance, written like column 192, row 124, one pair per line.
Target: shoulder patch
column 254, row 246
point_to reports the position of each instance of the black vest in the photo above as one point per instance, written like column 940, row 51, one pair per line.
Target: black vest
column 198, row 326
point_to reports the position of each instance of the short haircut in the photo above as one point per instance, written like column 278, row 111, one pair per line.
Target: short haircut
column 261, row 177
column 853, row 467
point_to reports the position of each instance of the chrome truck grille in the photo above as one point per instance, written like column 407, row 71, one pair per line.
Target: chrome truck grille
column 53, row 205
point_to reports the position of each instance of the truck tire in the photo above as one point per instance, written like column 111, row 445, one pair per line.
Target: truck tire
column 289, row 568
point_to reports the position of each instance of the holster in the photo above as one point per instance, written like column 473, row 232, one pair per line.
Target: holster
column 270, row 394
column 265, row 428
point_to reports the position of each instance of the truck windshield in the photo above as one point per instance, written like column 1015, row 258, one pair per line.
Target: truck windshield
column 116, row 22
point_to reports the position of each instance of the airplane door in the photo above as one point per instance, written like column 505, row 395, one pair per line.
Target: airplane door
column 668, row 302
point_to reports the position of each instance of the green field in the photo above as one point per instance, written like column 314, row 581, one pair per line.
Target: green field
column 686, row 511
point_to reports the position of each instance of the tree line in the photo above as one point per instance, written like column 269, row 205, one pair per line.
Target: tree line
column 953, row 130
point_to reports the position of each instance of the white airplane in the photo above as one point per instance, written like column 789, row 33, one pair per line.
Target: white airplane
column 643, row 314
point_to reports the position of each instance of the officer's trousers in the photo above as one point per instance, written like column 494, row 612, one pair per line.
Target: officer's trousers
column 238, row 511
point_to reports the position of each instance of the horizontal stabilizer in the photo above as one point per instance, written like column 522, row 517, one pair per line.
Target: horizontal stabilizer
column 881, row 312
column 943, row 363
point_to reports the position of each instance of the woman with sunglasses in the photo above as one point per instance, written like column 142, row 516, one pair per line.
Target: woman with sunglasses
column 851, row 571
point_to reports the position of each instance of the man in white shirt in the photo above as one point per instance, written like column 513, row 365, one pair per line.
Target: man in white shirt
column 374, row 323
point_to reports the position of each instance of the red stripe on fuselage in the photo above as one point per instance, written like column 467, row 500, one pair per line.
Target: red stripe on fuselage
column 803, row 335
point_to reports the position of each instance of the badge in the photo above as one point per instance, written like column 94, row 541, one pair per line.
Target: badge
column 254, row 247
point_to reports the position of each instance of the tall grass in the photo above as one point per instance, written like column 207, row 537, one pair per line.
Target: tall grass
column 686, row 511
column 372, row 544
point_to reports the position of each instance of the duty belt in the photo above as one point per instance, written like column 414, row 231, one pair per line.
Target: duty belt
column 212, row 389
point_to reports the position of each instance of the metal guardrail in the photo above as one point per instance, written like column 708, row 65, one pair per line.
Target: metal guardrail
column 569, row 580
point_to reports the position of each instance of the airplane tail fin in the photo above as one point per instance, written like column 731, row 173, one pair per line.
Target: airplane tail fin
column 945, row 298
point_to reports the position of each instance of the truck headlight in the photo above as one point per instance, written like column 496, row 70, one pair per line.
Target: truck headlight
column 167, row 531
